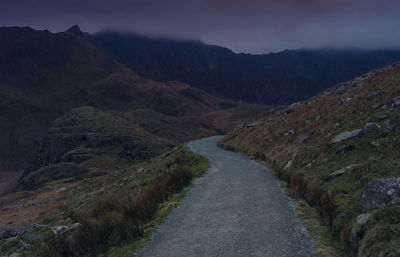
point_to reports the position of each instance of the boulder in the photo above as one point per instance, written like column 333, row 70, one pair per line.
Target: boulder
column 303, row 140
column 378, row 94
column 371, row 127
column 339, row 172
column 346, row 136
column 381, row 192
column 396, row 101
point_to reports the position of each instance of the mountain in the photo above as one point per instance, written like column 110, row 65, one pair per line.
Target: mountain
column 339, row 152
column 272, row 79
column 64, row 100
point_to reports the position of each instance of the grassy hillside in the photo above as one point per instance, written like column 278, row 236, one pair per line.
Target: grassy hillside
column 117, row 212
column 306, row 147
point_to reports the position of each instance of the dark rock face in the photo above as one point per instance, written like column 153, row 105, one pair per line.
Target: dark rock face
column 272, row 79
column 380, row 193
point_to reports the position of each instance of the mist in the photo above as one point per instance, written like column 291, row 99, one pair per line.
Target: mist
column 244, row 26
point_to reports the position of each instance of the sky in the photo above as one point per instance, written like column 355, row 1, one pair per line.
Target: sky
column 250, row 26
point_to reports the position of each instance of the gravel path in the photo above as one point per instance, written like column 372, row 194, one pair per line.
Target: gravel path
column 236, row 209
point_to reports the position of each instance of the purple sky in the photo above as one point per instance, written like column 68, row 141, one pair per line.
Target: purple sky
column 254, row 26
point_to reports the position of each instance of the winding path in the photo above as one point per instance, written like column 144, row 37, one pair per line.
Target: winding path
column 237, row 209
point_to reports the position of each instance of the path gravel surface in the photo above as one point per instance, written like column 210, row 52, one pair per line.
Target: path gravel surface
column 237, row 209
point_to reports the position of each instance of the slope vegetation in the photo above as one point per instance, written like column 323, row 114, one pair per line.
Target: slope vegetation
column 339, row 151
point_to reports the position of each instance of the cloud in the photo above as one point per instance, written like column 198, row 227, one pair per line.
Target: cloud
column 243, row 25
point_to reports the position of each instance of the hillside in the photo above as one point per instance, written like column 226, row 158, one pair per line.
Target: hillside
column 44, row 76
column 272, row 79
column 339, row 151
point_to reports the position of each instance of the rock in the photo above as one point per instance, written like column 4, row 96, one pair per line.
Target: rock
column 360, row 85
column 288, row 164
column 362, row 218
column 7, row 233
column 310, row 164
column 303, row 140
column 382, row 116
column 346, row 136
column 344, row 100
column 375, row 144
column 34, row 238
column 371, row 127
column 64, row 229
column 388, row 125
column 307, row 122
column 396, row 101
column 336, row 125
column 290, row 132
column 253, row 124
column 381, row 192
column 339, row 172
column 344, row 149
column 377, row 94
column 24, row 246
column 341, row 90
column 62, row 189
column 375, row 106
column 11, row 207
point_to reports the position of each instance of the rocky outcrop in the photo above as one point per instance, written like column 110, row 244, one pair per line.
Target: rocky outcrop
column 345, row 136
column 339, row 172
column 371, row 127
column 381, row 192
column 84, row 133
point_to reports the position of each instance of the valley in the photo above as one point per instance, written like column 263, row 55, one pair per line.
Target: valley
column 97, row 148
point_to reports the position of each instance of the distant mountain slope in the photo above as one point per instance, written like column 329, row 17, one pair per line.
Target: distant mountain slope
column 43, row 76
column 340, row 152
column 276, row 78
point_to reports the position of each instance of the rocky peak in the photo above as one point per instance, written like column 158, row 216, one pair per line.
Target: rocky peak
column 75, row 30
